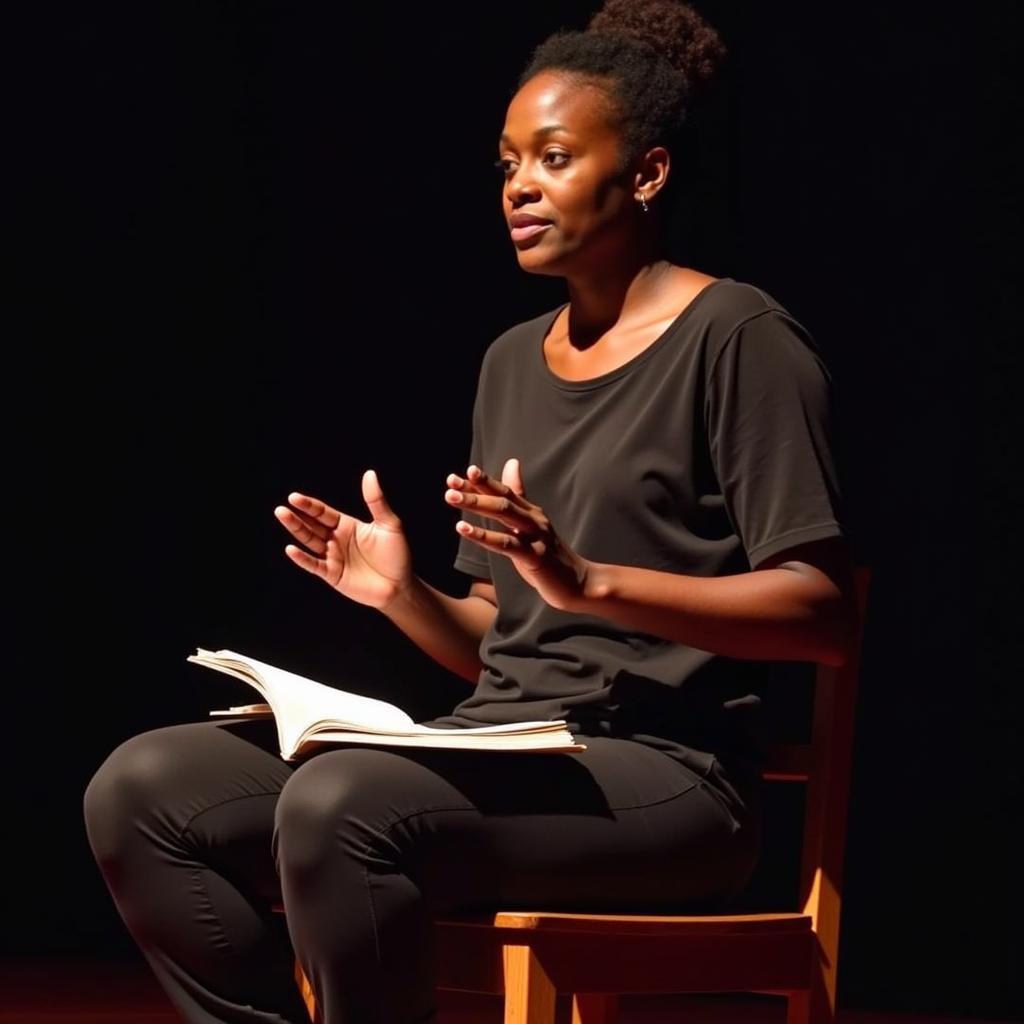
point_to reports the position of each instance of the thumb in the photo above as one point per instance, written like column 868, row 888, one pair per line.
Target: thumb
column 376, row 502
column 511, row 476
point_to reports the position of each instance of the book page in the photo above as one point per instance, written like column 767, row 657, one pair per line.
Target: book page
column 414, row 729
column 307, row 712
column 247, row 710
column 549, row 742
column 298, row 702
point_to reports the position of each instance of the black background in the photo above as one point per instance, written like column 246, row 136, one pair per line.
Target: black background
column 261, row 250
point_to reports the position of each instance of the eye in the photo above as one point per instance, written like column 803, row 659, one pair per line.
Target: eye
column 503, row 165
column 560, row 156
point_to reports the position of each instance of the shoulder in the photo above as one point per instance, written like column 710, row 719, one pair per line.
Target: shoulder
column 741, row 314
column 731, row 303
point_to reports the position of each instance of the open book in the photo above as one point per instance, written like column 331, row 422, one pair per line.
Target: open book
column 308, row 714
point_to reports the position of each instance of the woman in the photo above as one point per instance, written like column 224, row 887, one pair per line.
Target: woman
column 651, row 514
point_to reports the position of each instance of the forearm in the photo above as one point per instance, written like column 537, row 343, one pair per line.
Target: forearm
column 771, row 614
column 448, row 629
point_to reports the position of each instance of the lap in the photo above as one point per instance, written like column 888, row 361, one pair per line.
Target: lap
column 621, row 822
column 611, row 775
column 473, row 826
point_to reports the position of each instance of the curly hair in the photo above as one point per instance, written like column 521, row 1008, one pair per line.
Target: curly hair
column 651, row 56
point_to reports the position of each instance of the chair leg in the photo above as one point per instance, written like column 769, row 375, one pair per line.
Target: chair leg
column 811, row 1006
column 529, row 993
column 306, row 991
column 595, row 1008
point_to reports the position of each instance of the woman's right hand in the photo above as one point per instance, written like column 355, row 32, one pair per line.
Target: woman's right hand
column 368, row 562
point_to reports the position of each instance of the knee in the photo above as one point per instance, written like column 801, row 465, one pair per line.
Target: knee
column 330, row 807
column 124, row 790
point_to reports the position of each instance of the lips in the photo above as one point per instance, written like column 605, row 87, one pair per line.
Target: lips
column 518, row 234
column 523, row 220
column 526, row 225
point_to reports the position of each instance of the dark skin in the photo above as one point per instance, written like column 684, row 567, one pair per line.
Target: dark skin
column 796, row 605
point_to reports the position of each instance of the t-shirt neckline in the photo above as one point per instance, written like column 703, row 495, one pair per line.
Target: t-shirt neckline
column 590, row 383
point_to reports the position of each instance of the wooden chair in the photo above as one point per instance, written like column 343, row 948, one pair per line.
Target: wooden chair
column 531, row 956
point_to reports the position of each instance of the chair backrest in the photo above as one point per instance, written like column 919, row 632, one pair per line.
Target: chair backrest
column 825, row 764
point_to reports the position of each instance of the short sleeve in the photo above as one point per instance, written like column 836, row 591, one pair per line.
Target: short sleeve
column 768, row 417
column 470, row 558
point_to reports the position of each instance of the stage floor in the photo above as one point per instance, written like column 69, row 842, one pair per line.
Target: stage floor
column 62, row 991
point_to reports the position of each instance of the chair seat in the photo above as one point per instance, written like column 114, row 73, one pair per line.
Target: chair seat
column 635, row 953
column 661, row 925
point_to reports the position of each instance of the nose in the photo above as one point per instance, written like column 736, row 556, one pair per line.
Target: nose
column 520, row 187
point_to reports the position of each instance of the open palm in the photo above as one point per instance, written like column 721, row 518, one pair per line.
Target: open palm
column 368, row 562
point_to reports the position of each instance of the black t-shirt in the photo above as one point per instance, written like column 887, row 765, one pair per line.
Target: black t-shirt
column 703, row 454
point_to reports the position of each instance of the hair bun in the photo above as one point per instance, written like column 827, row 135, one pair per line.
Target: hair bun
column 673, row 29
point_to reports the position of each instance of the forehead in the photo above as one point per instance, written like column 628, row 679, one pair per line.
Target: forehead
column 549, row 101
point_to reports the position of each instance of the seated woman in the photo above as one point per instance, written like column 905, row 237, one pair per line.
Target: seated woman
column 650, row 516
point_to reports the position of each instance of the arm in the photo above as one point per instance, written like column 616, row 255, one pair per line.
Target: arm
column 448, row 629
column 797, row 605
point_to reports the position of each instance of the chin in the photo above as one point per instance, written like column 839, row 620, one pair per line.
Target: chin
column 539, row 264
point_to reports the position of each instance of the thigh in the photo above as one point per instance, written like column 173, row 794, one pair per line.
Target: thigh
column 619, row 826
column 208, row 788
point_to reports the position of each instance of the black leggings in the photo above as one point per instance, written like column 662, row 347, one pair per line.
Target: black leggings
column 199, row 829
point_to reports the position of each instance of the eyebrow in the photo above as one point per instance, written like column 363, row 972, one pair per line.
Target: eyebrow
column 548, row 129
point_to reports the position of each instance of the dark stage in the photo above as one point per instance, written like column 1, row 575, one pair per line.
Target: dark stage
column 82, row 991
column 233, row 290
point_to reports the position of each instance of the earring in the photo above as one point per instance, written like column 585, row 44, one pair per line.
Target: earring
column 643, row 202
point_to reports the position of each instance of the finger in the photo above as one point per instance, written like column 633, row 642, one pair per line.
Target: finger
column 511, row 476
column 493, row 540
column 378, row 505
column 491, row 506
column 306, row 561
column 304, row 529
column 483, row 481
column 316, row 509
column 460, row 483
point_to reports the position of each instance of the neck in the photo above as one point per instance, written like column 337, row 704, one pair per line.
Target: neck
column 614, row 295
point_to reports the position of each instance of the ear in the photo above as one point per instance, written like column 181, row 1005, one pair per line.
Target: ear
column 652, row 172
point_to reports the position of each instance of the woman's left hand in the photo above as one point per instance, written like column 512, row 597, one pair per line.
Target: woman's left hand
column 556, row 572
